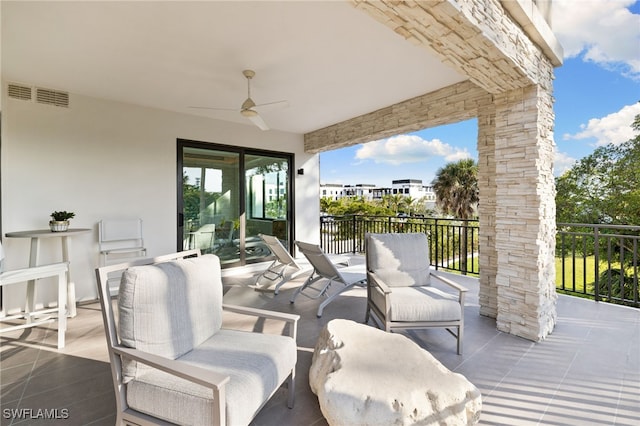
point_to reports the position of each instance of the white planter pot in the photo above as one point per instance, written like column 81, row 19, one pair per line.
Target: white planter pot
column 59, row 225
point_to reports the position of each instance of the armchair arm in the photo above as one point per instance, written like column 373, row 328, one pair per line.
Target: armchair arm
column 201, row 376
column 291, row 319
column 450, row 283
column 372, row 278
column 461, row 289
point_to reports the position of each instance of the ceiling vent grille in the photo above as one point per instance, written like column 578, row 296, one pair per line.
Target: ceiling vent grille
column 18, row 91
column 52, row 97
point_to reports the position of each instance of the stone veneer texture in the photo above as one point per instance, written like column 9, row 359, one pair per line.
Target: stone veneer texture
column 509, row 91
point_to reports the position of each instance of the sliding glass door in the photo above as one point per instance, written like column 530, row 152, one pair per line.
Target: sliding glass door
column 229, row 195
column 267, row 201
column 210, row 207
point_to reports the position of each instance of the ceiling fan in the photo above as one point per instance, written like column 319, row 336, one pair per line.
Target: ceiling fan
column 249, row 108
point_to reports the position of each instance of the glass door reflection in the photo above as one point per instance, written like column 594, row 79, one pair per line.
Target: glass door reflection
column 267, row 202
column 210, row 196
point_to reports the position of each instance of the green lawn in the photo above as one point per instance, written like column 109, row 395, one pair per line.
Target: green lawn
column 584, row 272
column 577, row 275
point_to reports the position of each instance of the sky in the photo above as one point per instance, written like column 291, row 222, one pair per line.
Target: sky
column 596, row 91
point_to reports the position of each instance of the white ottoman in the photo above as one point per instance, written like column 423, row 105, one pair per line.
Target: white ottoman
column 365, row 376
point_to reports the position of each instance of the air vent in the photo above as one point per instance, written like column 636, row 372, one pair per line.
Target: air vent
column 52, row 97
column 18, row 91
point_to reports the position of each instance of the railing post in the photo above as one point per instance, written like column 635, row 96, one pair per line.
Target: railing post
column 355, row 237
column 596, row 243
column 436, row 245
column 562, row 256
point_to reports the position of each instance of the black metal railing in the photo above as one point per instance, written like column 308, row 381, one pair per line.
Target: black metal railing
column 599, row 261
column 596, row 261
column 453, row 242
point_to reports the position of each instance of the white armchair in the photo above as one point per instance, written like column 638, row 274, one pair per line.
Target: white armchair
column 399, row 290
column 171, row 358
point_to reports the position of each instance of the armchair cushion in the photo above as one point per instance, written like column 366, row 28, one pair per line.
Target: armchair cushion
column 400, row 260
column 177, row 306
column 256, row 365
column 409, row 304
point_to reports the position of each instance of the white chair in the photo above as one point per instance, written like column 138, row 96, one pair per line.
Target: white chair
column 400, row 294
column 40, row 316
column 120, row 238
column 325, row 273
column 277, row 271
column 171, row 357
column 204, row 238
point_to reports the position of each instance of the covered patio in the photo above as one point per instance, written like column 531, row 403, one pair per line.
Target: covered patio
column 102, row 94
column 118, row 80
column 585, row 373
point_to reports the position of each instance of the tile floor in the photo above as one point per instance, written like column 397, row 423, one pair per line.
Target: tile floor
column 587, row 372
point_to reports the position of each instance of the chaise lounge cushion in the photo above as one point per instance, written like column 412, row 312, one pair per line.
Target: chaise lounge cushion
column 256, row 365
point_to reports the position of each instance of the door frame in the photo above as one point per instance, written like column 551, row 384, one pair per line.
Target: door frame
column 242, row 152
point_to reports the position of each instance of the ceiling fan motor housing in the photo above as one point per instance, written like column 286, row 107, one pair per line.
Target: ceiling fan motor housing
column 246, row 108
column 248, row 112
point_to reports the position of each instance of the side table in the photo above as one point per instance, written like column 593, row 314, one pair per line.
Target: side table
column 36, row 236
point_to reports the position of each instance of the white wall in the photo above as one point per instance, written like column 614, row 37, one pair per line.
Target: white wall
column 106, row 159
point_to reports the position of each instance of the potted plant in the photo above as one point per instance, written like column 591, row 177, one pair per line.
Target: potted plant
column 60, row 222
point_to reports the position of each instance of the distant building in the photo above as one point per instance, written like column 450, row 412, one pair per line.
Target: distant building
column 359, row 190
column 335, row 191
column 406, row 187
column 413, row 188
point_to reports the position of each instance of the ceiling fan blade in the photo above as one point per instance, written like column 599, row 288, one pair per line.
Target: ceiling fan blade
column 213, row 108
column 272, row 105
column 258, row 121
column 248, row 107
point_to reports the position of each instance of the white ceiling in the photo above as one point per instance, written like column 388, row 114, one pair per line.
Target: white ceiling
column 330, row 61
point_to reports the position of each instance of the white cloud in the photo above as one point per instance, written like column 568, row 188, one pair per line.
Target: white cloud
column 408, row 149
column 602, row 31
column 614, row 128
column 562, row 163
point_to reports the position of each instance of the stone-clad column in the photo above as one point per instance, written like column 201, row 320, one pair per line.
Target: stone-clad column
column 487, row 209
column 508, row 53
column 525, row 212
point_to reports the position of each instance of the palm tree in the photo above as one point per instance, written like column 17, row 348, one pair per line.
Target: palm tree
column 395, row 202
column 409, row 201
column 456, row 188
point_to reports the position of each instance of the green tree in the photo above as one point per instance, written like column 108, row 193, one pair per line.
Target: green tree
column 409, row 202
column 603, row 187
column 355, row 205
column 196, row 200
column 394, row 202
column 456, row 188
column 326, row 203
